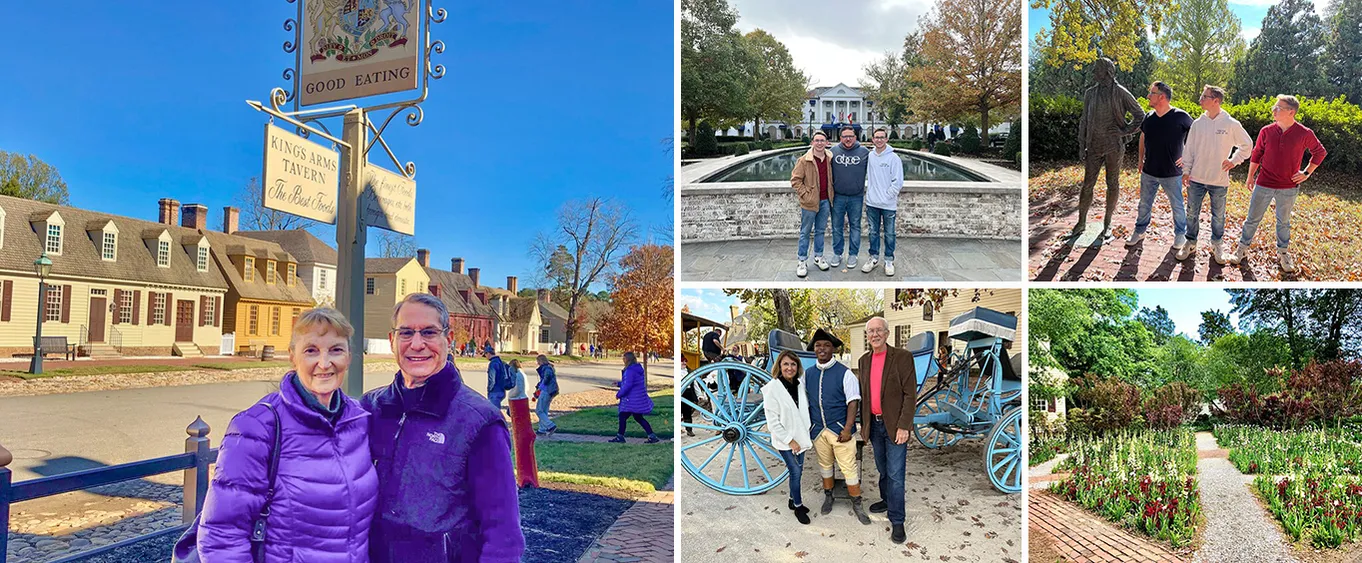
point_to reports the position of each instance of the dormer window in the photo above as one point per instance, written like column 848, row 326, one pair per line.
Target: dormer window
column 202, row 261
column 292, row 275
column 163, row 253
column 109, row 248
column 248, row 272
column 53, row 239
column 269, row 271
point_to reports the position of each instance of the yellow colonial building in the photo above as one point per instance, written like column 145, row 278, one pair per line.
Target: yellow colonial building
column 904, row 322
column 265, row 294
column 387, row 281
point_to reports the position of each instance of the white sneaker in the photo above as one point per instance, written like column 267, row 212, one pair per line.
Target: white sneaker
column 870, row 264
column 820, row 262
column 1134, row 239
column 1187, row 250
column 1240, row 251
column 801, row 270
column 851, row 263
column 1179, row 242
column 1218, row 251
column 1284, row 258
column 889, row 268
column 836, row 260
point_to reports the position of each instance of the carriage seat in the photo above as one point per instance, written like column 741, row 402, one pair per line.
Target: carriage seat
column 922, row 343
column 1010, row 365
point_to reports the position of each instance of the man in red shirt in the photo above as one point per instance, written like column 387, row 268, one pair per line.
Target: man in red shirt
column 1275, row 174
column 889, row 397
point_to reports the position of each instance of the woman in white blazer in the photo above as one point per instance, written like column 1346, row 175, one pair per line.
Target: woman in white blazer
column 787, row 419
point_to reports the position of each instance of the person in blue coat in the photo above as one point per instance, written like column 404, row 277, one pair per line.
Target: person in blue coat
column 634, row 399
column 499, row 377
column 544, row 393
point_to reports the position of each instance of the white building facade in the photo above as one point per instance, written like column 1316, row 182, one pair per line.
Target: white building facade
column 831, row 107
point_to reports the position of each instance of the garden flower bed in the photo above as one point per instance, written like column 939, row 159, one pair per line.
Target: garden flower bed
column 1042, row 451
column 1145, row 480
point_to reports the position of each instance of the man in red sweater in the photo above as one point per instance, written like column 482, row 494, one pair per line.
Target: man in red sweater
column 1275, row 165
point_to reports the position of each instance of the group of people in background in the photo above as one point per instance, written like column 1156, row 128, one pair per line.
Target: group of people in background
column 844, row 182
column 826, row 407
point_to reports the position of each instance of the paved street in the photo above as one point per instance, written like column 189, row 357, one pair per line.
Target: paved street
column 915, row 259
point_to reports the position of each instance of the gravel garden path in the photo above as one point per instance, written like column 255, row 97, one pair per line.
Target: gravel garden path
column 1237, row 528
column 1040, row 476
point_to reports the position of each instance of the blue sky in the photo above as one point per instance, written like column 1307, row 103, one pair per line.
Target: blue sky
column 711, row 304
column 1250, row 12
column 542, row 102
column 1185, row 305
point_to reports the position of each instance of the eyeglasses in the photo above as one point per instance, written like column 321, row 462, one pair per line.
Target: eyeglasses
column 427, row 334
column 877, row 331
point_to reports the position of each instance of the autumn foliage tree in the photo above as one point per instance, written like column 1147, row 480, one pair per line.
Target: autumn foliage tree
column 971, row 59
column 641, row 319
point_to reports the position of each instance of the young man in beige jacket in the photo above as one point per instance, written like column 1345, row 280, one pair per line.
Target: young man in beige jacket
column 812, row 182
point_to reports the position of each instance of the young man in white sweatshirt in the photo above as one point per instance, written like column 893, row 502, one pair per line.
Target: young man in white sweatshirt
column 1216, row 144
column 884, row 181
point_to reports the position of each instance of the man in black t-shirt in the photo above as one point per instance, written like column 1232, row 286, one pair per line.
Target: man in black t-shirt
column 1162, row 135
column 710, row 345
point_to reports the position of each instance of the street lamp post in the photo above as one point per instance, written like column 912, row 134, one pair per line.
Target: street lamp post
column 42, row 266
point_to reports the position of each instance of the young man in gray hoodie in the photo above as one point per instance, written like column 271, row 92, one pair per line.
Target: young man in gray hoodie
column 849, row 163
column 882, row 200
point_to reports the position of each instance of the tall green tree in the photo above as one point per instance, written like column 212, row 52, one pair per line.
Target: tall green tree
column 1286, row 57
column 1343, row 50
column 714, row 78
column 1082, row 30
column 777, row 88
column 1335, row 322
column 1198, row 45
column 1053, row 77
column 31, row 178
column 971, row 52
column 1158, row 322
column 1282, row 311
column 1214, row 325
column 889, row 82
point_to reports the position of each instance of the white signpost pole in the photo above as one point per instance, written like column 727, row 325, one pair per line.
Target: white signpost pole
column 350, row 238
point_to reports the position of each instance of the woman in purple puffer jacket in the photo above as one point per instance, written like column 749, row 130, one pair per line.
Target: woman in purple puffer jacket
column 634, row 399
column 326, row 486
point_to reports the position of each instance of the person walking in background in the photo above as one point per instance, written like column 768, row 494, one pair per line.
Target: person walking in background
column 850, row 161
column 785, row 401
column 499, row 378
column 634, row 399
column 812, row 183
column 1275, row 174
column 517, row 390
column 544, row 392
column 296, row 464
column 889, row 382
column 885, row 181
column 1162, row 134
column 834, row 401
column 1216, row 144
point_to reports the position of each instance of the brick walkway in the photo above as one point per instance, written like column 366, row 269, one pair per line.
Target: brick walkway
column 643, row 533
column 1082, row 537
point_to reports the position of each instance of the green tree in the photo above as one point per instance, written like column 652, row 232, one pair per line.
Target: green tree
column 1286, row 57
column 1199, row 44
column 1282, row 311
column 777, row 88
column 971, row 59
column 714, row 80
column 1180, row 359
column 31, row 178
column 1158, row 322
column 1343, row 49
column 886, row 83
column 1214, row 325
column 1054, row 77
column 1083, row 30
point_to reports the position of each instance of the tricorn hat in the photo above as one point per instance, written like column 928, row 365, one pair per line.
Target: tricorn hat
column 822, row 334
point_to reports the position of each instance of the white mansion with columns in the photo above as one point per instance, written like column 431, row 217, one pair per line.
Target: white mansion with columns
column 835, row 106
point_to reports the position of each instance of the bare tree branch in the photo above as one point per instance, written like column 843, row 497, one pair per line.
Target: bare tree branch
column 255, row 217
column 590, row 234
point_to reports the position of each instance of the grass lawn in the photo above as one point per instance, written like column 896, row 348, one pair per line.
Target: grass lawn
column 604, row 421
column 636, row 468
column 96, row 370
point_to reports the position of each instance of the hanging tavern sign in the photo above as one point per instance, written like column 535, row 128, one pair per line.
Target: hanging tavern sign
column 358, row 48
column 388, row 200
column 300, row 177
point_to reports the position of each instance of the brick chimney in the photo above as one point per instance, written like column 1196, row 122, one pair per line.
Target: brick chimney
column 195, row 216
column 510, row 284
column 456, row 265
column 423, row 257
column 473, row 273
column 231, row 219
column 544, row 296
column 170, row 212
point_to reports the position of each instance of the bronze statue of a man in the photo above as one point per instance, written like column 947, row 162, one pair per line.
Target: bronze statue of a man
column 1102, row 133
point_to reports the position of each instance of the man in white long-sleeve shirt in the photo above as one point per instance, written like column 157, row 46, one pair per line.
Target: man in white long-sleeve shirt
column 884, row 181
column 1216, row 144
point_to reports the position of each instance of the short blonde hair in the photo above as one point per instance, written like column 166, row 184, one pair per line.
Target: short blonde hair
column 324, row 319
column 1290, row 101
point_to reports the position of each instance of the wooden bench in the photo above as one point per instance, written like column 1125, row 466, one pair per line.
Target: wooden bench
column 58, row 345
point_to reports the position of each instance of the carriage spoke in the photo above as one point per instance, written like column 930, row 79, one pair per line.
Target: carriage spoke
column 718, row 405
column 701, row 443
column 742, row 455
column 701, row 426
column 742, row 388
column 768, row 449
column 760, row 464
column 701, row 409
column 1009, row 459
column 712, row 456
column 728, row 464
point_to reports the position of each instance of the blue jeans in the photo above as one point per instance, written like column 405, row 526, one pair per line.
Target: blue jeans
column 1149, row 188
column 542, row 409
column 496, row 398
column 815, row 222
column 881, row 220
column 1286, row 199
column 847, row 209
column 1195, row 192
column 891, row 461
column 795, row 462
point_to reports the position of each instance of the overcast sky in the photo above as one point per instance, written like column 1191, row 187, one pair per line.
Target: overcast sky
column 831, row 42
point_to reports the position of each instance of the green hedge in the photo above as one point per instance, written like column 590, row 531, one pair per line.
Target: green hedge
column 1012, row 147
column 1337, row 123
column 739, row 149
column 969, row 140
column 944, row 148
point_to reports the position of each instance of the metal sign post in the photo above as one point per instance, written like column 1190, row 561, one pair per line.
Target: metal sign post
column 385, row 46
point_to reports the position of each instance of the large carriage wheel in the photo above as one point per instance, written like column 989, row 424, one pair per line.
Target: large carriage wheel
column 1002, row 453
column 935, row 404
column 731, row 451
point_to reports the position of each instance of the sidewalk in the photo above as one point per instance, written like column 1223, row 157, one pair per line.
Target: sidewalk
column 915, row 259
column 643, row 533
column 1072, row 534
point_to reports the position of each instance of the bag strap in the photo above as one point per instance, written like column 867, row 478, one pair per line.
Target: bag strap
column 258, row 529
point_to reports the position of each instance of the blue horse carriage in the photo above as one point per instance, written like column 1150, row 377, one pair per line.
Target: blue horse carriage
column 978, row 395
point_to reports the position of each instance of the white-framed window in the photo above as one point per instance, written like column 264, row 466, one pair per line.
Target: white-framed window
column 203, row 259
column 255, row 319
column 53, row 312
column 1040, row 404
column 53, row 239
column 274, row 321
column 248, row 270
column 544, row 335
column 401, row 288
column 269, row 271
column 163, row 253
column 158, row 309
column 110, row 247
column 901, row 333
column 296, row 312
column 209, row 312
column 369, row 286
column 292, row 274
column 99, row 292
column 125, row 307
column 321, row 278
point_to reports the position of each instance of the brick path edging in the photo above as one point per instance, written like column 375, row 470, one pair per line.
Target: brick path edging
column 643, row 534
column 1084, row 538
